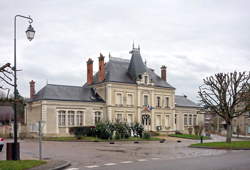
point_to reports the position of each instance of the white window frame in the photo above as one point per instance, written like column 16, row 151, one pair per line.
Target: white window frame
column 71, row 117
column 166, row 101
column 185, row 120
column 61, row 121
column 190, row 120
column 119, row 101
column 144, row 100
column 79, row 118
column 158, row 102
column 97, row 116
column 132, row 98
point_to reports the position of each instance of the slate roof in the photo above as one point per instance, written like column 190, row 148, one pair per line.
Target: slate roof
column 183, row 101
column 136, row 66
column 67, row 93
column 120, row 70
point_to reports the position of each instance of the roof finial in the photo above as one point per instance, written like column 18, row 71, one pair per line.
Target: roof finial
column 138, row 47
column 145, row 59
column 133, row 46
column 109, row 55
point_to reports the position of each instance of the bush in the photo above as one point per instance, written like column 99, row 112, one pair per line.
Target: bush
column 146, row 135
column 137, row 129
column 123, row 130
column 196, row 130
column 103, row 131
column 82, row 131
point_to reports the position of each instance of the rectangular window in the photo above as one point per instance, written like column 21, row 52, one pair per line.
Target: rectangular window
column 185, row 120
column 130, row 100
column 119, row 98
column 145, row 100
column 175, row 118
column 97, row 117
column 190, row 119
column 79, row 118
column 195, row 119
column 130, row 118
column 158, row 120
column 166, row 102
column 119, row 117
column 71, row 118
column 158, row 101
column 61, row 118
column 249, row 129
column 167, row 121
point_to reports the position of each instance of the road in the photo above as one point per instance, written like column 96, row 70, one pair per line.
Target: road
column 229, row 161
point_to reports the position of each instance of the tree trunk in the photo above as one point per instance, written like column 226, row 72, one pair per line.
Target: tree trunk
column 229, row 132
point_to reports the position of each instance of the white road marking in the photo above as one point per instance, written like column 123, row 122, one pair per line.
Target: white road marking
column 155, row 158
column 92, row 166
column 110, row 164
column 72, row 169
column 142, row 160
column 126, row 162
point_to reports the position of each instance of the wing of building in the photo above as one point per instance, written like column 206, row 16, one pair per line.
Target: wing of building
column 122, row 90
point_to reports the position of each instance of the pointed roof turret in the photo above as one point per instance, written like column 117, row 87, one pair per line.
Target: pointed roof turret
column 136, row 65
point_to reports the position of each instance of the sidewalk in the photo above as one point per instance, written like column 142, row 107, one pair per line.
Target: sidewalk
column 52, row 165
column 241, row 137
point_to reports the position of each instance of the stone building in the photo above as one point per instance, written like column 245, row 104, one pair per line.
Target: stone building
column 122, row 90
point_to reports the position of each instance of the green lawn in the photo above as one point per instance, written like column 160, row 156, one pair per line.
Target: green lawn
column 94, row 139
column 187, row 136
column 224, row 145
column 19, row 165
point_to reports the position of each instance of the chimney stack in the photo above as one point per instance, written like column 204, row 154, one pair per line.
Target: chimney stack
column 89, row 71
column 32, row 89
column 101, row 68
column 164, row 72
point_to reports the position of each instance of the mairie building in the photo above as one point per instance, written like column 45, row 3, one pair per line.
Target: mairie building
column 122, row 90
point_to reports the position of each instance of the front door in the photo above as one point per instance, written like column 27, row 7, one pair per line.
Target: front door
column 146, row 122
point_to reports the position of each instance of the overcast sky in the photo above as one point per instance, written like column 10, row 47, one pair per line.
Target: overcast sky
column 193, row 38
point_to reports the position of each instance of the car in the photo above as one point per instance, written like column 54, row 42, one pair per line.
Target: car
column 1, row 144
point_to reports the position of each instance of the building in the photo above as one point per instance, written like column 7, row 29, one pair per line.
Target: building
column 121, row 90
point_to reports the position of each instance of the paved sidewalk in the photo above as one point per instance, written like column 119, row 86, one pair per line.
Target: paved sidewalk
column 53, row 165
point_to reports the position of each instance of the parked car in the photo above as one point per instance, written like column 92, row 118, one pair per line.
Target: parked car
column 1, row 144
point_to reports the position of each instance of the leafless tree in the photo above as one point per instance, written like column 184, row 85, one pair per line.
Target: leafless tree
column 226, row 94
column 6, row 74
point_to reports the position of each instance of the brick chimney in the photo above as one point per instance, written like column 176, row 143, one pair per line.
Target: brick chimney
column 32, row 89
column 90, row 71
column 164, row 72
column 101, row 68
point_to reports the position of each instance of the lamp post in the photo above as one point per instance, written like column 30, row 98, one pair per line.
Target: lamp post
column 30, row 32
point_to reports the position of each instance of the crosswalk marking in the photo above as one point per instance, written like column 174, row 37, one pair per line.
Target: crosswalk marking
column 126, row 162
column 72, row 169
column 155, row 158
column 110, row 164
column 92, row 166
column 142, row 160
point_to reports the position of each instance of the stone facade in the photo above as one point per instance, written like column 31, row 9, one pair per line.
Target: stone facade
column 145, row 98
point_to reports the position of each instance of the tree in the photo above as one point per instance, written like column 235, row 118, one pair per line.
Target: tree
column 226, row 94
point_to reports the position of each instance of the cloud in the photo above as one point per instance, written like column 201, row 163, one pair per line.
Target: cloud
column 193, row 38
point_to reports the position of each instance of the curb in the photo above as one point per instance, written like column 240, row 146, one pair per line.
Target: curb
column 204, row 147
column 67, row 164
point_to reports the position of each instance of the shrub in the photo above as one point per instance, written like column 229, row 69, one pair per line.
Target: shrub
column 146, row 135
column 137, row 129
column 103, row 130
column 82, row 131
column 123, row 130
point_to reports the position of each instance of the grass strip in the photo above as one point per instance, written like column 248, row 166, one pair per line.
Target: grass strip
column 187, row 136
column 224, row 145
column 20, row 165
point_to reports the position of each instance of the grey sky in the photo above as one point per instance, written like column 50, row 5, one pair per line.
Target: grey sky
column 194, row 38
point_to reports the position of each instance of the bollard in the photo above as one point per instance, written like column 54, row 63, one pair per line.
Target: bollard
column 201, row 138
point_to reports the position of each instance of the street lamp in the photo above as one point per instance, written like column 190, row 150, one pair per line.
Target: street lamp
column 30, row 33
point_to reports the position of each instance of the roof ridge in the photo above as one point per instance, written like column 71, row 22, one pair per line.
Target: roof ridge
column 63, row 85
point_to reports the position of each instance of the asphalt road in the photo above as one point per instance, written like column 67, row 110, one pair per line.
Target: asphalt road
column 230, row 161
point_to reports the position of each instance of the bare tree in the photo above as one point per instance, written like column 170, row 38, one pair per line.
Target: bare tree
column 225, row 95
column 6, row 74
